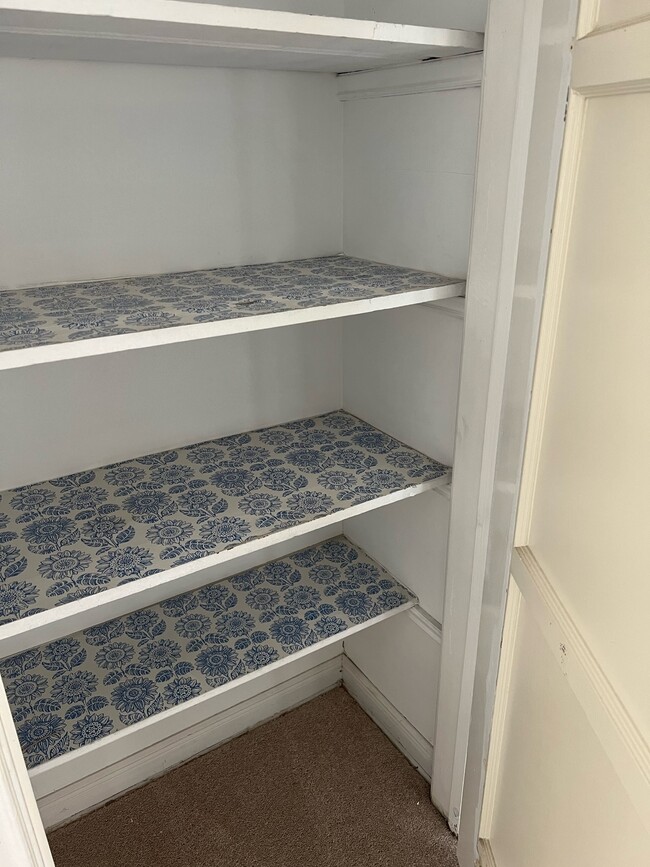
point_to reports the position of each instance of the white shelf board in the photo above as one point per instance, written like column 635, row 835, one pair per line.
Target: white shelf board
column 53, row 323
column 108, row 692
column 85, row 548
column 184, row 33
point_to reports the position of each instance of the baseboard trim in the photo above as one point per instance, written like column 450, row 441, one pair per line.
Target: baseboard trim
column 92, row 791
column 396, row 727
column 485, row 854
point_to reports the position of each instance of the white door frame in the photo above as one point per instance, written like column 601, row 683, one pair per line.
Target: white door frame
column 526, row 78
column 610, row 58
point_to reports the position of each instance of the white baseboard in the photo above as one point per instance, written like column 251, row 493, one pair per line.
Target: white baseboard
column 396, row 727
column 90, row 792
column 73, row 800
column 485, row 854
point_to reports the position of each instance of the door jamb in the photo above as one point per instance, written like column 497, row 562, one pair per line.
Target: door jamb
column 526, row 79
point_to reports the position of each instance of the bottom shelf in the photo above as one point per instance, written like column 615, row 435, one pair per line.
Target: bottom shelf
column 99, row 685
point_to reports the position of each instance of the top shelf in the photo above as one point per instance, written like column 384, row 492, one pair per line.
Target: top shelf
column 208, row 34
column 54, row 323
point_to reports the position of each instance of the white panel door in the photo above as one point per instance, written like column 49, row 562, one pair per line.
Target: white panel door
column 569, row 769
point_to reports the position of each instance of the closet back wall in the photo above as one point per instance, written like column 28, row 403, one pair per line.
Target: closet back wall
column 115, row 169
column 110, row 170
column 75, row 415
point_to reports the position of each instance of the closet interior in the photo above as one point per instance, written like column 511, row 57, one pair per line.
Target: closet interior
column 235, row 242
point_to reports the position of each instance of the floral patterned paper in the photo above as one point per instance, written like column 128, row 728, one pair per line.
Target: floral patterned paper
column 80, row 311
column 80, row 534
column 74, row 691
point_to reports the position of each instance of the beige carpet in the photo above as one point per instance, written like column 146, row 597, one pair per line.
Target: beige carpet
column 320, row 786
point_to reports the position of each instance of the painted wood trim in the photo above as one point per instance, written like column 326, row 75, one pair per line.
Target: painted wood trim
column 507, row 101
column 613, row 61
column 622, row 739
column 394, row 725
column 22, row 836
column 561, row 233
column 506, row 665
column 14, row 358
column 450, row 307
column 486, row 855
column 89, row 792
column 521, row 303
column 426, row 623
column 443, row 491
column 449, row 73
column 587, row 17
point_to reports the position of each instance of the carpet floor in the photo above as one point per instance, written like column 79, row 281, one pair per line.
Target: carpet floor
column 320, row 786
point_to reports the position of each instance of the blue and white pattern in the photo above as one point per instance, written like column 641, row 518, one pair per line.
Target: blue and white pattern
column 79, row 311
column 77, row 535
column 77, row 690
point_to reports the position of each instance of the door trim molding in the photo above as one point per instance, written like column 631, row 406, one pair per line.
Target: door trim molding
column 485, row 854
column 497, row 735
column 527, row 62
column 606, row 710
column 613, row 61
column 561, row 231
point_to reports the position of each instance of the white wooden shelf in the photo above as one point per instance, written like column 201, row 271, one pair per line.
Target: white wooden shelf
column 208, row 34
column 53, row 323
column 99, row 695
column 83, row 548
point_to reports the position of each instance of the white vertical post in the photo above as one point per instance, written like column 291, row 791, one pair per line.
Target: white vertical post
column 526, row 73
column 22, row 837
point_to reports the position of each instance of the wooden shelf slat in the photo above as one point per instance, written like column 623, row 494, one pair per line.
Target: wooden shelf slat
column 88, row 690
column 209, row 34
column 52, row 323
column 83, row 548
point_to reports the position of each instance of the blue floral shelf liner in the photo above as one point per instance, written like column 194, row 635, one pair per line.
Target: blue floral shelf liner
column 77, row 535
column 49, row 315
column 76, row 690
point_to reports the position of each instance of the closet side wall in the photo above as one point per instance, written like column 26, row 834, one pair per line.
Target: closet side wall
column 408, row 168
column 408, row 190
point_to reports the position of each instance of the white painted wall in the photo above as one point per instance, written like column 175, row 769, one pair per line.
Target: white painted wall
column 74, row 415
column 401, row 370
column 401, row 374
column 409, row 538
column 409, row 178
column 111, row 169
column 401, row 657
